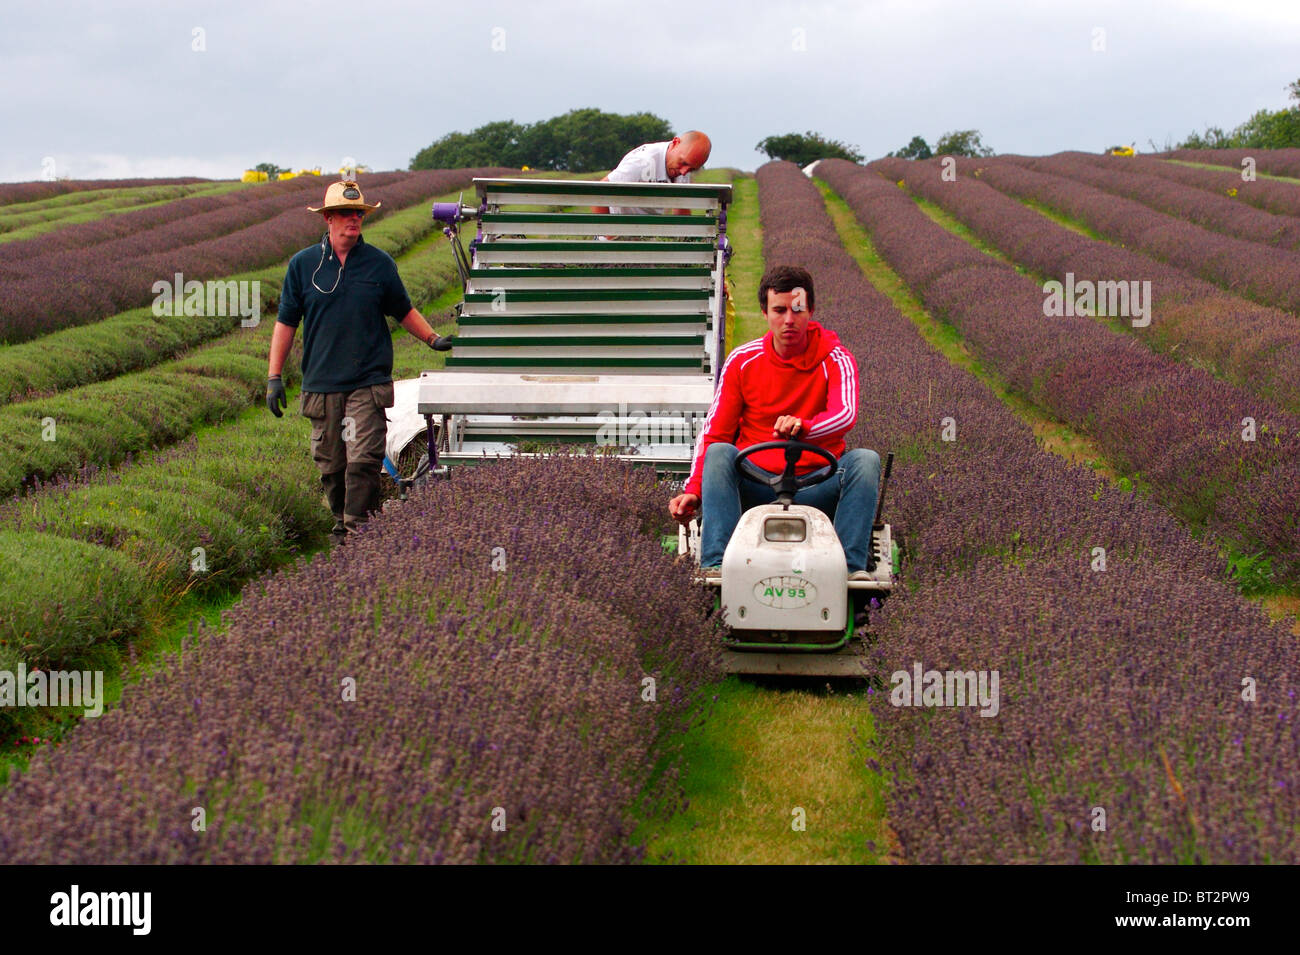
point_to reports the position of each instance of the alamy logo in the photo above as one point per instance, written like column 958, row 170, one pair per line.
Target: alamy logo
column 946, row 688
column 1130, row 299
column 102, row 908
column 84, row 688
column 624, row 428
column 228, row 298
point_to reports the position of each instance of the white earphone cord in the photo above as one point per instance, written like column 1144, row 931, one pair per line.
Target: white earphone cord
column 323, row 243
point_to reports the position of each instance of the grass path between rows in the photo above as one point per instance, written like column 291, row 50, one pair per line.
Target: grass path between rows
column 773, row 753
column 1213, row 167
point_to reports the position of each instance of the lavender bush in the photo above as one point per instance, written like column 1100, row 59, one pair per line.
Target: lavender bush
column 1121, row 688
column 1175, row 426
column 515, row 695
column 1280, row 198
column 15, row 192
column 138, row 339
column 62, row 288
column 1254, row 347
column 1268, row 275
column 1275, row 162
column 1216, row 212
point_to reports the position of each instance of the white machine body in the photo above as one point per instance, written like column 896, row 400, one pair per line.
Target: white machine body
column 785, row 570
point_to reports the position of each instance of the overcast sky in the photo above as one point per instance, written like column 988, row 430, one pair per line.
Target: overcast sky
column 122, row 89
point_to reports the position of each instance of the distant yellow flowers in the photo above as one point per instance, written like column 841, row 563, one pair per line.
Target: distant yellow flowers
column 256, row 175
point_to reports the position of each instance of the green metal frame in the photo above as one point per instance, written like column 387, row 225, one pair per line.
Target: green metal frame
column 594, row 295
column 583, row 362
column 601, row 187
column 584, row 272
column 584, row 318
column 574, row 341
column 588, row 218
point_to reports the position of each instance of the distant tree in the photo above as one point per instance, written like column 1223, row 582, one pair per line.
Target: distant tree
column 582, row 140
column 1266, row 129
column 961, row 142
column 271, row 169
column 918, row 148
column 493, row 144
column 806, row 148
column 586, row 140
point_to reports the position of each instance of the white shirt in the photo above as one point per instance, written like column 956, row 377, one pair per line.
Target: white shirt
column 647, row 163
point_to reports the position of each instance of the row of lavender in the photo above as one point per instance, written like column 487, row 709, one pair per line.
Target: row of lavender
column 1255, row 347
column 1120, row 671
column 80, row 286
column 1211, row 452
column 1275, row 162
column 168, row 225
column 1281, row 198
column 16, row 192
column 1269, row 275
column 99, row 422
column 461, row 683
column 1217, row 212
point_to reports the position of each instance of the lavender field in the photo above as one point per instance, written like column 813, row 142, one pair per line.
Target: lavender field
column 512, row 694
column 1120, row 688
column 509, row 668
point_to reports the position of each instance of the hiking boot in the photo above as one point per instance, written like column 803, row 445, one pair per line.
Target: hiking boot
column 709, row 573
column 862, row 575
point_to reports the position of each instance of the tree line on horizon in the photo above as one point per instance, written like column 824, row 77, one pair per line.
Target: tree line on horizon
column 586, row 140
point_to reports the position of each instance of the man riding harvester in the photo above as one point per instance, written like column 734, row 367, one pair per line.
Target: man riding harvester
column 791, row 530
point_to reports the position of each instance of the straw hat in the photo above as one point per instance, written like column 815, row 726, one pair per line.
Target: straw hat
column 344, row 195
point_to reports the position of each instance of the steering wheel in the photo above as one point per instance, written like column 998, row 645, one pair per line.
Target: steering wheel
column 787, row 482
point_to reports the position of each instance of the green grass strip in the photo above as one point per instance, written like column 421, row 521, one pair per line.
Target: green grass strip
column 26, row 225
column 770, row 777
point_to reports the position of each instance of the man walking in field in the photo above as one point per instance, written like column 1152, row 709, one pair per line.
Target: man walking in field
column 797, row 381
column 339, row 291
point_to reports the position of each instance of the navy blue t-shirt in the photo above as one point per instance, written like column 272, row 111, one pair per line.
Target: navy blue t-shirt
column 346, row 344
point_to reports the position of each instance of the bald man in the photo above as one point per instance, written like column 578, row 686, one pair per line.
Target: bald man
column 673, row 161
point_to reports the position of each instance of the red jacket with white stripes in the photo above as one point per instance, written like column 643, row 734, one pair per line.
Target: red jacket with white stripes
column 758, row 386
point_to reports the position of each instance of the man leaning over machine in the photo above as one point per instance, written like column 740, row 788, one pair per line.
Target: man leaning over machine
column 796, row 382
column 671, row 161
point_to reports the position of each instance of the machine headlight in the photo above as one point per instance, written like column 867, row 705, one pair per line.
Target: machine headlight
column 787, row 529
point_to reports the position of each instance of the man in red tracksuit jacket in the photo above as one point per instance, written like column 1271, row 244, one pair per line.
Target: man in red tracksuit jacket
column 797, row 381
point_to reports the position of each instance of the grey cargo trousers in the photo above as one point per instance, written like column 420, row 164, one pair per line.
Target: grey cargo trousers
column 348, row 431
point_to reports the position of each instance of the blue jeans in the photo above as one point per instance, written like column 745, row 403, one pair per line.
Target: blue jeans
column 848, row 497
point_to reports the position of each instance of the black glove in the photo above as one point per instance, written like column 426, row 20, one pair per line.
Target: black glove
column 275, row 397
column 439, row 342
